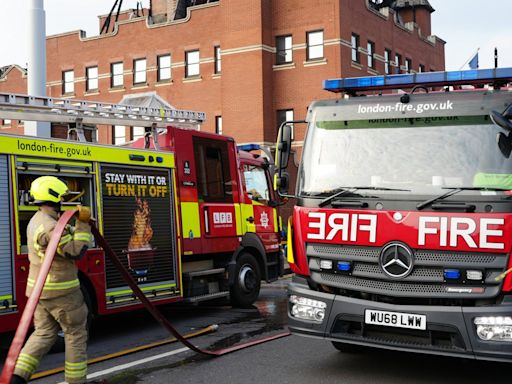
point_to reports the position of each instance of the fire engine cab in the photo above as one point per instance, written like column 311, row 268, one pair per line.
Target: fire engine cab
column 402, row 232
column 192, row 216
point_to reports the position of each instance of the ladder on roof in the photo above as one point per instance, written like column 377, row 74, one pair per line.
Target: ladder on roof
column 79, row 112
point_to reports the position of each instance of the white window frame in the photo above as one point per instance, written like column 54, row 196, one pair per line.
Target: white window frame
column 139, row 71
column 68, row 82
column 192, row 59
column 284, row 49
column 218, row 125
column 288, row 116
column 315, row 45
column 218, row 60
column 354, row 41
column 164, row 67
column 370, row 47
column 119, row 135
column 117, row 74
column 91, row 74
column 387, row 63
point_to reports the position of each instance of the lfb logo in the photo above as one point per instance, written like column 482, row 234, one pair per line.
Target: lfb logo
column 222, row 218
column 264, row 219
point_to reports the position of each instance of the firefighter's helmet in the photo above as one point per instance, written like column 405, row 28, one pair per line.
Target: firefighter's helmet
column 48, row 189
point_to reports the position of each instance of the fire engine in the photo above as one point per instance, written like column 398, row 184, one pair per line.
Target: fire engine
column 402, row 232
column 193, row 216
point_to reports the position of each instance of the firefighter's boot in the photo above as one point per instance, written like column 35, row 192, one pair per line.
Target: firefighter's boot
column 18, row 380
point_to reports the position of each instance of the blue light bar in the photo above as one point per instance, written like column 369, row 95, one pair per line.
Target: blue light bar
column 451, row 274
column 430, row 79
column 248, row 147
column 344, row 266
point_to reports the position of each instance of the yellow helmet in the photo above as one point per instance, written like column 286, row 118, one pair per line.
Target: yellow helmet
column 48, row 189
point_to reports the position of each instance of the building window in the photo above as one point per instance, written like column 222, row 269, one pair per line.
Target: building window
column 192, row 63
column 164, row 67
column 137, row 132
column 398, row 63
column 6, row 122
column 218, row 125
column 387, row 59
column 139, row 71
column 408, row 65
column 285, row 115
column 116, row 75
column 355, row 48
column 68, row 82
column 118, row 134
column 371, row 51
column 91, row 74
column 315, row 42
column 284, row 49
column 421, row 68
column 218, row 63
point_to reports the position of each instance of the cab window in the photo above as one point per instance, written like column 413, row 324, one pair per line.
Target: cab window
column 256, row 184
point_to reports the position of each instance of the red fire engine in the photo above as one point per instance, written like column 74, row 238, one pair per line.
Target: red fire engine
column 402, row 232
column 194, row 217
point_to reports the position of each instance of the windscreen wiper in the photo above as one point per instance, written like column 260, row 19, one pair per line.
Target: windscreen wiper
column 453, row 191
column 346, row 190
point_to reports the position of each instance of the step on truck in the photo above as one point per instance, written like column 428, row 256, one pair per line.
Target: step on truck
column 402, row 232
column 192, row 216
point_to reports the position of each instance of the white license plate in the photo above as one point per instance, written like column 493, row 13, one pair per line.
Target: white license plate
column 395, row 319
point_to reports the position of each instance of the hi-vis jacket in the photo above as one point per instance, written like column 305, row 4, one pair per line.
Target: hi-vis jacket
column 62, row 278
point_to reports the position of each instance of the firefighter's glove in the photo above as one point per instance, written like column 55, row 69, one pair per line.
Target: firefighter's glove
column 84, row 213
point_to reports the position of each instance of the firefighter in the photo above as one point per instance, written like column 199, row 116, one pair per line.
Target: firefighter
column 61, row 305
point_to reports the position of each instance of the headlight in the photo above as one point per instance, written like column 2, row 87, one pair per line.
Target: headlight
column 494, row 328
column 307, row 309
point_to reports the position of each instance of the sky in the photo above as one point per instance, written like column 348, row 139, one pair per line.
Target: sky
column 467, row 26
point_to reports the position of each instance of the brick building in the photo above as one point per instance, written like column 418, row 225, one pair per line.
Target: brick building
column 247, row 64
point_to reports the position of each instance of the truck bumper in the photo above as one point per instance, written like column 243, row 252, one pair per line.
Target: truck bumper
column 449, row 331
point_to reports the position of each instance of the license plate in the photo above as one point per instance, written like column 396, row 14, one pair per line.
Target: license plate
column 395, row 319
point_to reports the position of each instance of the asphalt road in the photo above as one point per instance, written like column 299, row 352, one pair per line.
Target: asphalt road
column 290, row 359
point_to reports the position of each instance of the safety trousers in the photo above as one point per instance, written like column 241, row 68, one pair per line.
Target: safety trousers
column 69, row 313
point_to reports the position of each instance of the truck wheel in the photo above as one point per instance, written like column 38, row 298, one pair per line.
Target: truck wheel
column 246, row 287
column 60, row 344
column 346, row 347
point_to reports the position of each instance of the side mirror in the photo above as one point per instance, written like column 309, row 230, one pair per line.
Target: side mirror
column 504, row 144
column 283, row 149
column 501, row 121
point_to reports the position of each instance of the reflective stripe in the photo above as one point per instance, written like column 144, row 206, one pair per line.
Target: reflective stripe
column 82, row 236
column 76, row 370
column 48, row 286
column 65, row 239
column 27, row 363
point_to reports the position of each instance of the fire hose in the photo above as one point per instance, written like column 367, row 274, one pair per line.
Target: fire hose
column 28, row 312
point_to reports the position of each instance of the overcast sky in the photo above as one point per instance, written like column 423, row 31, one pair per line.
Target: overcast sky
column 466, row 25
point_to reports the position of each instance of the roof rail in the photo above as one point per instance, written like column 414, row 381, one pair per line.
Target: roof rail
column 497, row 77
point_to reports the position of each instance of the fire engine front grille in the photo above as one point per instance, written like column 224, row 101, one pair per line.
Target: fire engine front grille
column 426, row 279
column 436, row 337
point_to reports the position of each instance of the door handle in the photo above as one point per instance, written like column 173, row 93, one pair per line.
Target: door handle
column 250, row 219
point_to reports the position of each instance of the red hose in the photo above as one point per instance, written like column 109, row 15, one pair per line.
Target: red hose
column 30, row 307
column 156, row 313
column 28, row 312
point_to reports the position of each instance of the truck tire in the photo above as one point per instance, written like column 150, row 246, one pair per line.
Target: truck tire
column 347, row 348
column 60, row 344
column 246, row 288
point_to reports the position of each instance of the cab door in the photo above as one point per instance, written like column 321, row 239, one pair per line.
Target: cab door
column 216, row 186
column 258, row 190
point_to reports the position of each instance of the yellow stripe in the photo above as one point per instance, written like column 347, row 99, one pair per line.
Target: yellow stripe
column 82, row 237
column 28, row 357
column 24, row 367
column 247, row 211
column 65, row 239
column 238, row 220
column 289, row 240
column 56, row 286
column 190, row 220
column 81, row 364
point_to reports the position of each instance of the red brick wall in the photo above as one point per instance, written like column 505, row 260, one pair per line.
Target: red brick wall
column 250, row 88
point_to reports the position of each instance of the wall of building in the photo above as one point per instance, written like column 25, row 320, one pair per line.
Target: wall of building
column 251, row 88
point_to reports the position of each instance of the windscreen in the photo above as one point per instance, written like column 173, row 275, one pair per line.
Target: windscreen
column 421, row 155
